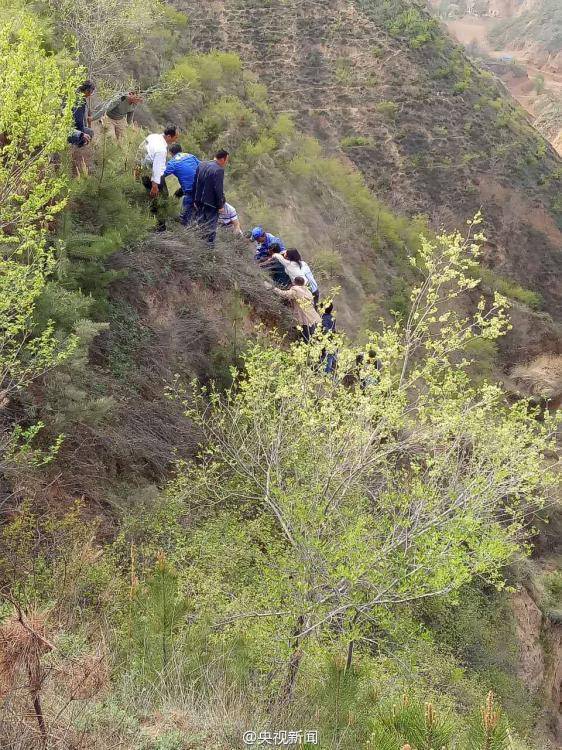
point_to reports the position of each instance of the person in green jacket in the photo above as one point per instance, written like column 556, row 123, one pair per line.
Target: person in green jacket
column 118, row 112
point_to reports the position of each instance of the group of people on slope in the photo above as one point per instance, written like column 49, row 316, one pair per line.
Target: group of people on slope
column 292, row 279
column 201, row 184
column 203, row 201
column 114, row 115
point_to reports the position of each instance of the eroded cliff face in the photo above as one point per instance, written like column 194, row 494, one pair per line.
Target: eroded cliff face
column 540, row 662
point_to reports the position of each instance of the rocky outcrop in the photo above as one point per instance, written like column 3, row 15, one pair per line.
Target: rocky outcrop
column 540, row 661
column 528, row 628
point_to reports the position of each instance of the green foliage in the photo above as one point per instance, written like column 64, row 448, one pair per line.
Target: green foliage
column 156, row 612
column 478, row 631
column 107, row 212
column 354, row 141
column 104, row 30
column 425, row 727
column 36, row 97
column 417, row 26
column 317, row 515
column 408, row 721
column 389, row 110
column 510, row 289
column 328, row 264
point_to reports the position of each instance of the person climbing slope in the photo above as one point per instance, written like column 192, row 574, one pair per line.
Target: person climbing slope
column 263, row 241
column 302, row 307
column 295, row 266
column 328, row 331
column 228, row 217
column 208, row 193
column 82, row 134
column 118, row 112
column 183, row 166
column 275, row 269
column 153, row 153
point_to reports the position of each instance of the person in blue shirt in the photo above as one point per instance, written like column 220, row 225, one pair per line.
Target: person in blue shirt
column 183, row 166
column 263, row 241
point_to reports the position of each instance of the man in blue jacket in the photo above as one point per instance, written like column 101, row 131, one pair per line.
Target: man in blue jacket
column 208, row 193
column 183, row 166
column 263, row 241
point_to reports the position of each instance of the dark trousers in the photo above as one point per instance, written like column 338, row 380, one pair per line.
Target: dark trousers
column 307, row 333
column 158, row 204
column 186, row 214
column 208, row 218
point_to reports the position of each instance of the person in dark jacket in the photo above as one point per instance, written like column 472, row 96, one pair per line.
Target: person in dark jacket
column 208, row 193
column 82, row 134
column 328, row 329
column 183, row 166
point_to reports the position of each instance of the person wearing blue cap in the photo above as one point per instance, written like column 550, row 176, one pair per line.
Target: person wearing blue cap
column 263, row 241
column 183, row 166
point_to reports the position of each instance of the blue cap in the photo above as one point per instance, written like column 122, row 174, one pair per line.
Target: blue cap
column 257, row 232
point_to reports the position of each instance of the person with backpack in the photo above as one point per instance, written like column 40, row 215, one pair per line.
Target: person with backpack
column 183, row 166
column 295, row 266
column 208, row 194
column 82, row 133
column 264, row 240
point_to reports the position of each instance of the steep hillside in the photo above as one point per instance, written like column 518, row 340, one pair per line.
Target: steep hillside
column 432, row 133
column 535, row 28
column 211, row 538
column 519, row 42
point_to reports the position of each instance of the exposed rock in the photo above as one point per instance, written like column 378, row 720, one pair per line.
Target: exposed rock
column 528, row 627
column 540, row 662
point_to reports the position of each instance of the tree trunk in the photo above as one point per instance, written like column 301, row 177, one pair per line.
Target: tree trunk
column 297, row 653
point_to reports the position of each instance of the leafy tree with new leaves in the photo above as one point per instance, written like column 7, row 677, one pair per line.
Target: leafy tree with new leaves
column 321, row 504
column 37, row 93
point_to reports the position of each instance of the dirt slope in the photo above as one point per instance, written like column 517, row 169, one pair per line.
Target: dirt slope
column 430, row 131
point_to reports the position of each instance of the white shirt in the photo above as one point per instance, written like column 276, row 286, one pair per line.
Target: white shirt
column 293, row 270
column 155, row 153
column 228, row 215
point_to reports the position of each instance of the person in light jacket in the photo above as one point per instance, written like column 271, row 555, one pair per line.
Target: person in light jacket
column 153, row 154
column 295, row 266
column 302, row 307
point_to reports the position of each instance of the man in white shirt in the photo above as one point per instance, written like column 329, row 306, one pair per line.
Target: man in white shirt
column 153, row 156
column 228, row 217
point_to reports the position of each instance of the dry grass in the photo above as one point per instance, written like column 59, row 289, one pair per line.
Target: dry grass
column 541, row 378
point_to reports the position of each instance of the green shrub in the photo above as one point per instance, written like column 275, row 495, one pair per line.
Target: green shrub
column 355, row 140
column 328, row 264
column 510, row 289
column 368, row 279
column 389, row 110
